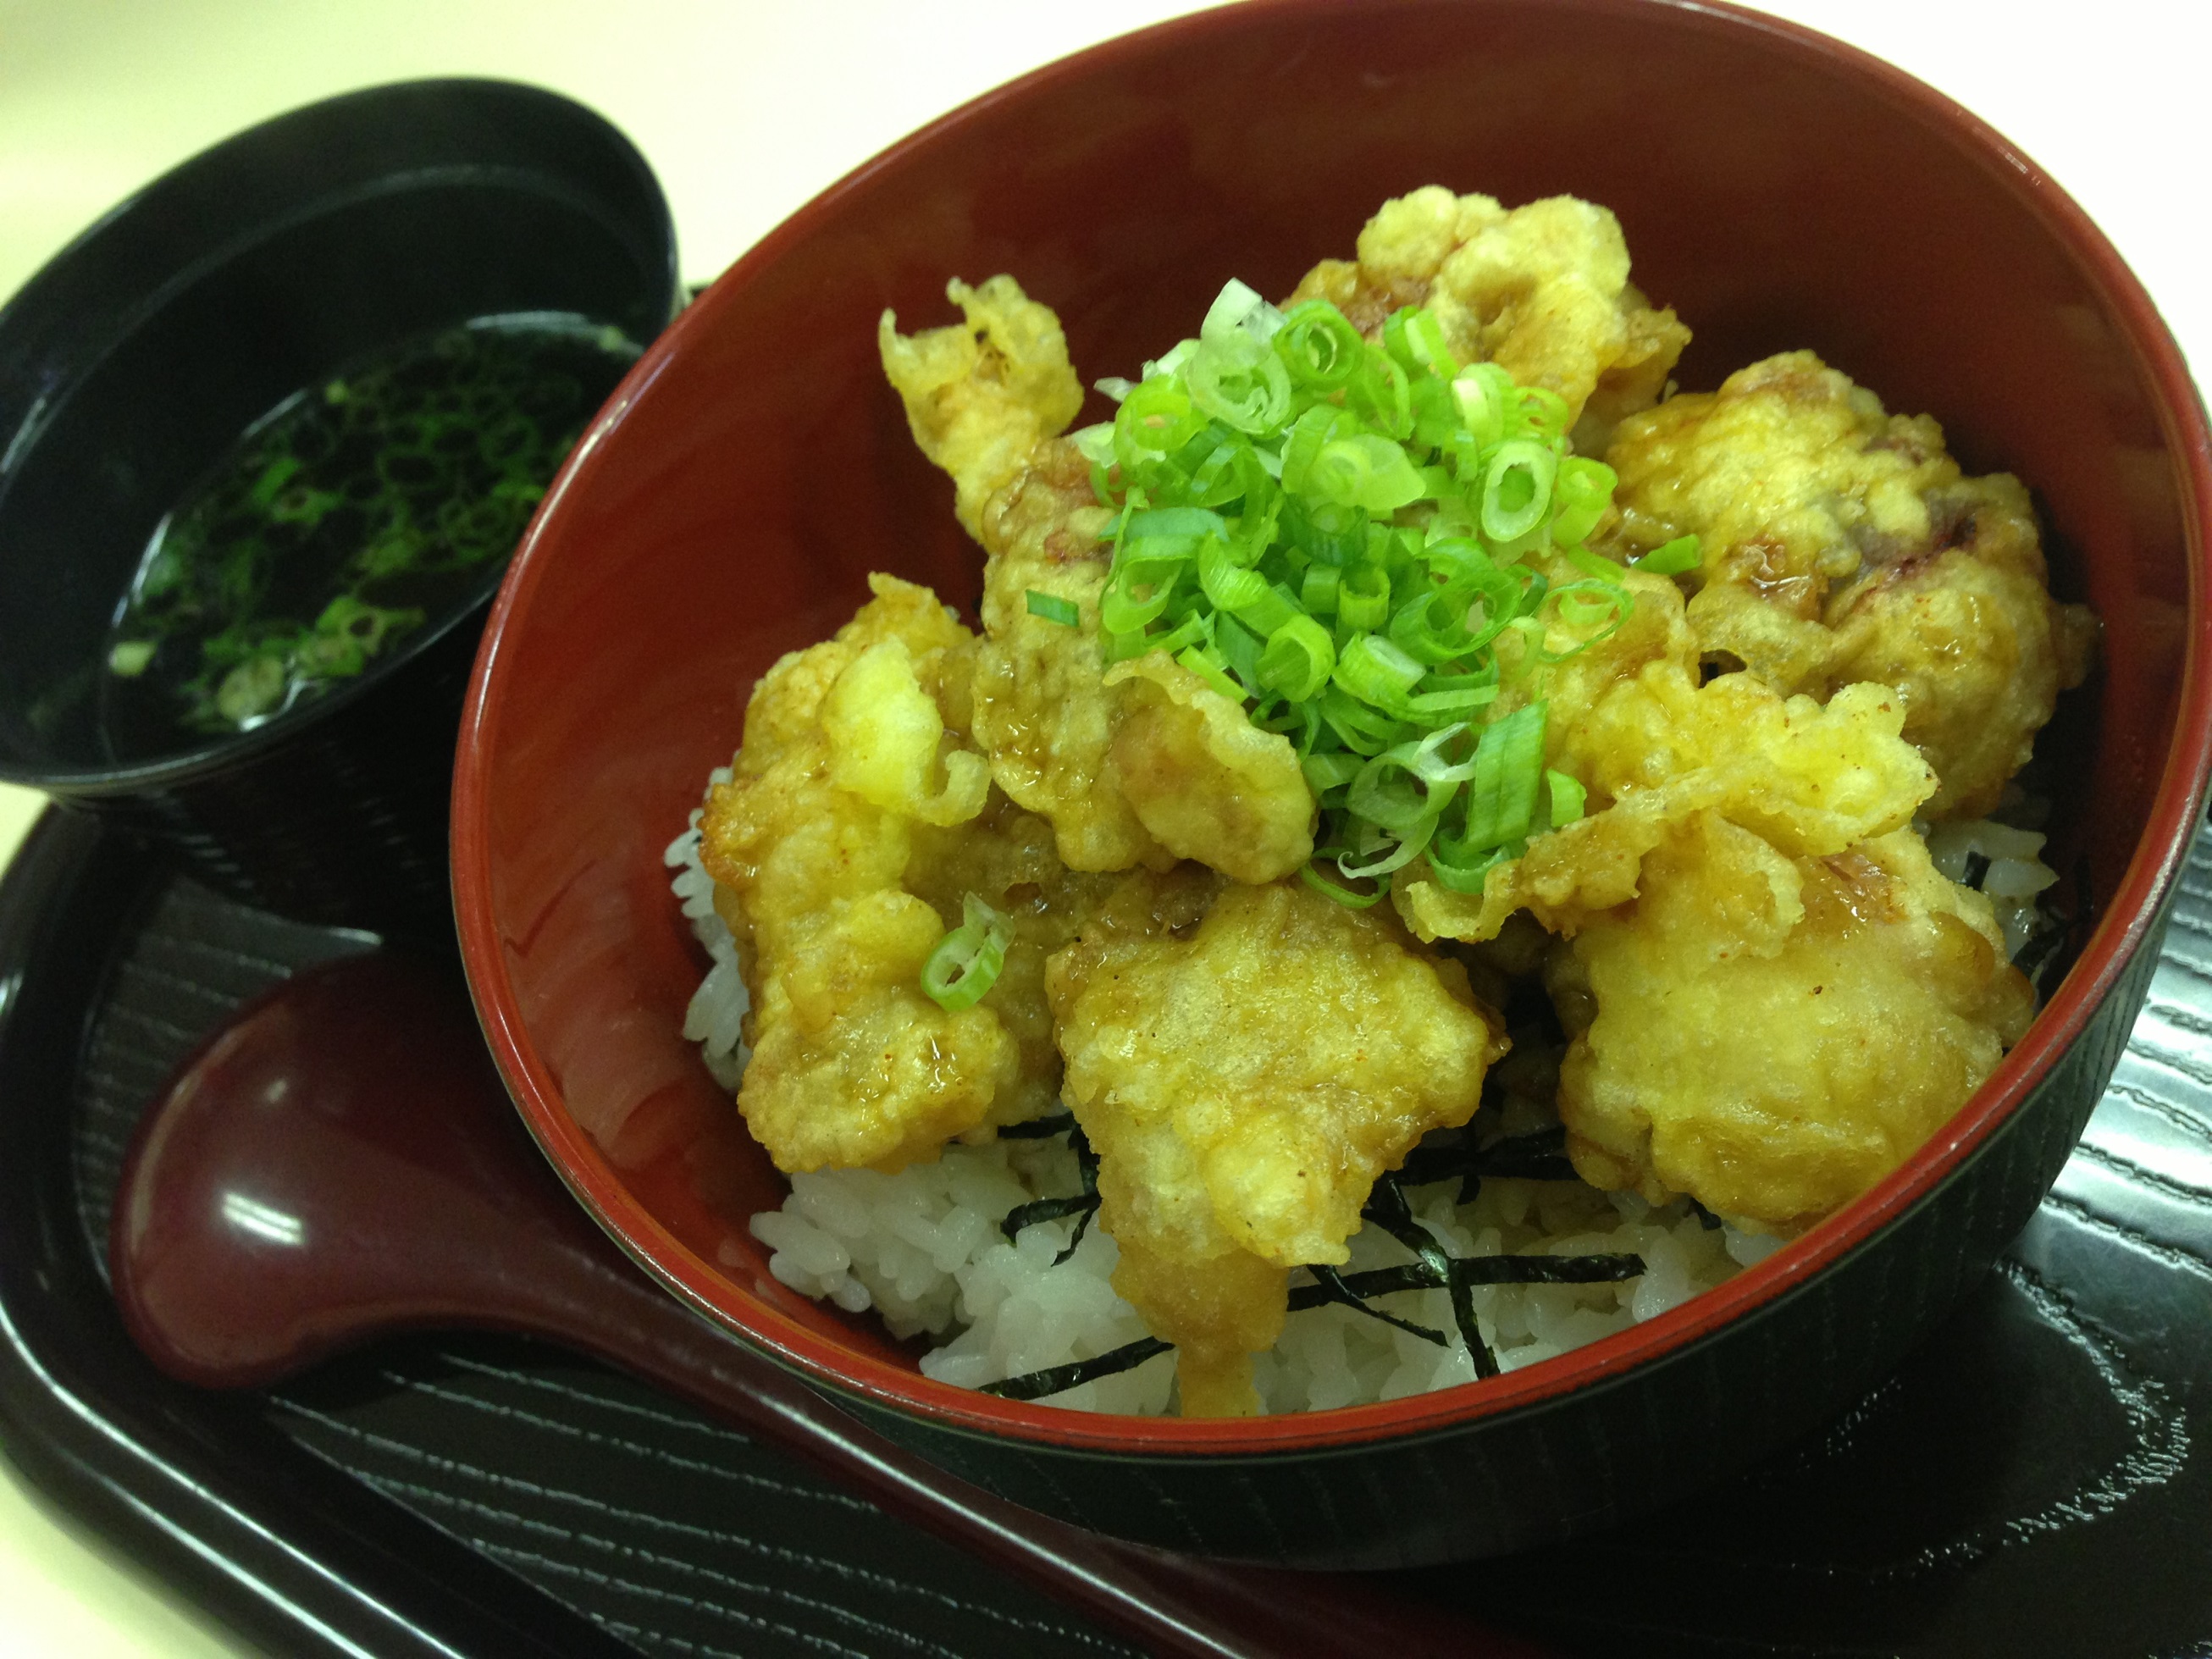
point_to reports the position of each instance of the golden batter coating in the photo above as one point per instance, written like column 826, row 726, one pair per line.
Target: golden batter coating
column 1120, row 772
column 1841, row 543
column 854, row 824
column 1043, row 711
column 1772, row 1035
column 1657, row 750
column 982, row 394
column 1542, row 291
column 1244, row 1078
column 1207, row 783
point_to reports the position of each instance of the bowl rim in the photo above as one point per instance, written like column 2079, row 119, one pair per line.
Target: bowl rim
column 218, row 755
column 2131, row 916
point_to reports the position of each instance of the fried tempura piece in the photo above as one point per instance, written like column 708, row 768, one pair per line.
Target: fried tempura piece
column 982, row 394
column 1244, row 1078
column 1841, row 543
column 1578, row 668
column 1043, row 713
column 1657, row 750
column 1006, row 858
column 1542, row 290
column 1119, row 772
column 855, row 822
column 1772, row 1035
column 1205, row 781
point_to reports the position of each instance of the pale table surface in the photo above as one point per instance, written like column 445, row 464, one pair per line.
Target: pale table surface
column 745, row 109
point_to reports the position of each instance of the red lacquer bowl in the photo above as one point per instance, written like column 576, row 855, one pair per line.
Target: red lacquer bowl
column 1778, row 188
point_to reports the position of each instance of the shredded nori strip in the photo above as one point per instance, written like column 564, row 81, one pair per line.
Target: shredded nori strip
column 1333, row 1288
column 1523, row 1155
column 1462, row 1273
column 1538, row 1157
column 1046, row 1209
column 1388, row 1209
column 1082, row 1205
column 1058, row 1379
column 1608, row 1269
column 1038, row 1128
column 1706, row 1218
column 2039, row 952
column 1978, row 867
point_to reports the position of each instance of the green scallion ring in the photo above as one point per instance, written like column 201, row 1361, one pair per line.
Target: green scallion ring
column 1377, row 673
column 1299, row 660
column 1516, row 488
column 1568, row 798
column 1222, row 581
column 1318, row 346
column 961, row 971
column 1362, row 598
column 1580, row 493
column 1388, row 793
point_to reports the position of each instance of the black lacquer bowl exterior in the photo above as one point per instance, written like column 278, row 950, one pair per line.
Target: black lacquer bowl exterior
column 141, row 352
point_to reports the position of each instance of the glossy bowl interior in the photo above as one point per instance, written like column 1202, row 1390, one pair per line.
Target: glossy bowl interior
column 1780, row 191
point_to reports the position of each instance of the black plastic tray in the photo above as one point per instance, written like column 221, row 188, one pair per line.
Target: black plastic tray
column 2037, row 1480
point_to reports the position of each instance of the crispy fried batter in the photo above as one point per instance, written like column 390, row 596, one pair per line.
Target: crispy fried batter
column 842, row 857
column 1207, row 783
column 1841, row 543
column 1243, row 1086
column 1043, row 711
column 1656, row 749
column 1112, row 768
column 1772, row 1035
column 1542, row 290
column 1006, row 858
column 982, row 394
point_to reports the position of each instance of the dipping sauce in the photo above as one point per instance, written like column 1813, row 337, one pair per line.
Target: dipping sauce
column 342, row 521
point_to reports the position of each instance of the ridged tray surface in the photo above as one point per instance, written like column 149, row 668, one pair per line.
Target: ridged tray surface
column 2036, row 1479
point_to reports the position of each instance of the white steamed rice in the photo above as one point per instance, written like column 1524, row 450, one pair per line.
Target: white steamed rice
column 923, row 1250
column 923, row 1247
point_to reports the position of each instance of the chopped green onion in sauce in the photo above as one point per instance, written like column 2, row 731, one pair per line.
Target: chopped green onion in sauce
column 1671, row 558
column 961, row 971
column 358, row 511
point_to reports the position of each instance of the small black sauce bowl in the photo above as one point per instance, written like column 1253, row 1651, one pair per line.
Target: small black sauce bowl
column 140, row 353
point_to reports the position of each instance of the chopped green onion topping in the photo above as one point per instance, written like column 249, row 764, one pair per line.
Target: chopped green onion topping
column 1509, row 765
column 1299, row 660
column 1336, row 533
column 965, row 964
column 1516, row 488
column 1209, row 667
column 1054, row 609
column 1328, row 772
